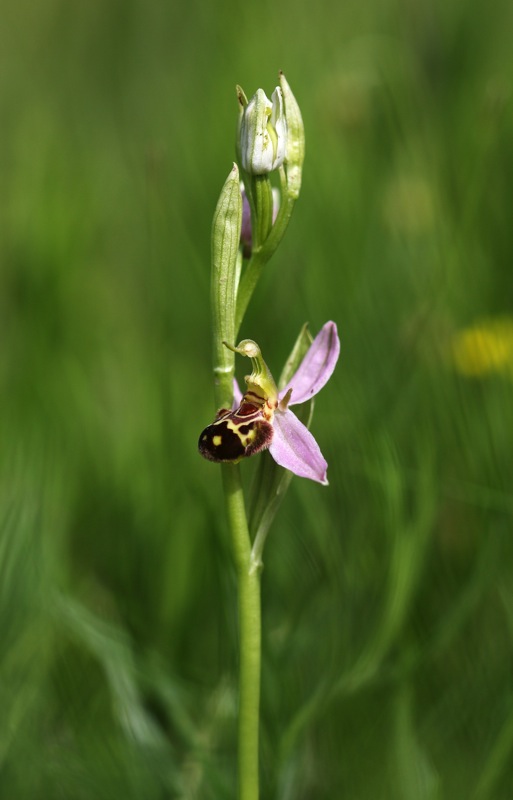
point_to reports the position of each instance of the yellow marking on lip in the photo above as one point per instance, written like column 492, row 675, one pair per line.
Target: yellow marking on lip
column 217, row 441
column 234, row 426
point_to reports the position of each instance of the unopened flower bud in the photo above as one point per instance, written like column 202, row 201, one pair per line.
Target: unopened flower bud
column 262, row 141
column 295, row 139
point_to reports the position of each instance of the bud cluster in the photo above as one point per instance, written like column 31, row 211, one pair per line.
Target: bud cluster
column 270, row 142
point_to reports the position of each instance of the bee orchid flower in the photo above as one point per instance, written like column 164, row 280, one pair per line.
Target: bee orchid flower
column 262, row 418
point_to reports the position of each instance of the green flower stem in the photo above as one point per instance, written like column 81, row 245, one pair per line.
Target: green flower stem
column 262, row 221
column 225, row 271
column 262, row 253
column 248, row 578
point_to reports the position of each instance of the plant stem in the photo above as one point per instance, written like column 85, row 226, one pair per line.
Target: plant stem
column 262, row 251
column 248, row 580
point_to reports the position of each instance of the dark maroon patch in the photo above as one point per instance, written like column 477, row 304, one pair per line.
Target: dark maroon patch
column 263, row 438
column 218, row 442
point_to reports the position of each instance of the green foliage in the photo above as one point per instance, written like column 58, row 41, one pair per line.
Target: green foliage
column 387, row 598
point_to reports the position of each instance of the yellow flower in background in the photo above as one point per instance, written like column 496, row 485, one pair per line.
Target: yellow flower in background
column 484, row 348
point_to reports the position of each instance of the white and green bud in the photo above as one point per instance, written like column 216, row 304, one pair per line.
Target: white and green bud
column 262, row 134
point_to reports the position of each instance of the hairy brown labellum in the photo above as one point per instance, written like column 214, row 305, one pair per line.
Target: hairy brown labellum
column 236, row 434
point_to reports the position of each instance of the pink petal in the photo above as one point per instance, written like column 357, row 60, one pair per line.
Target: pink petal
column 294, row 448
column 237, row 395
column 317, row 366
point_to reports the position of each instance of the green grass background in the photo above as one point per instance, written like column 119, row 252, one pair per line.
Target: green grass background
column 387, row 597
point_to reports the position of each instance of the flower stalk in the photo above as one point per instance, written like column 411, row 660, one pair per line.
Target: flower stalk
column 224, row 279
column 249, row 614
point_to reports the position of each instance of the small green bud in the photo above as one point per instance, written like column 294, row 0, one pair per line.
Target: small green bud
column 295, row 139
column 262, row 132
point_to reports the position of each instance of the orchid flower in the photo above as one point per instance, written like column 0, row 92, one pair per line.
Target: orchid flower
column 261, row 418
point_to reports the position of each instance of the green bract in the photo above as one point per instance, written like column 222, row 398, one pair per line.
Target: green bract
column 295, row 140
column 226, row 228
